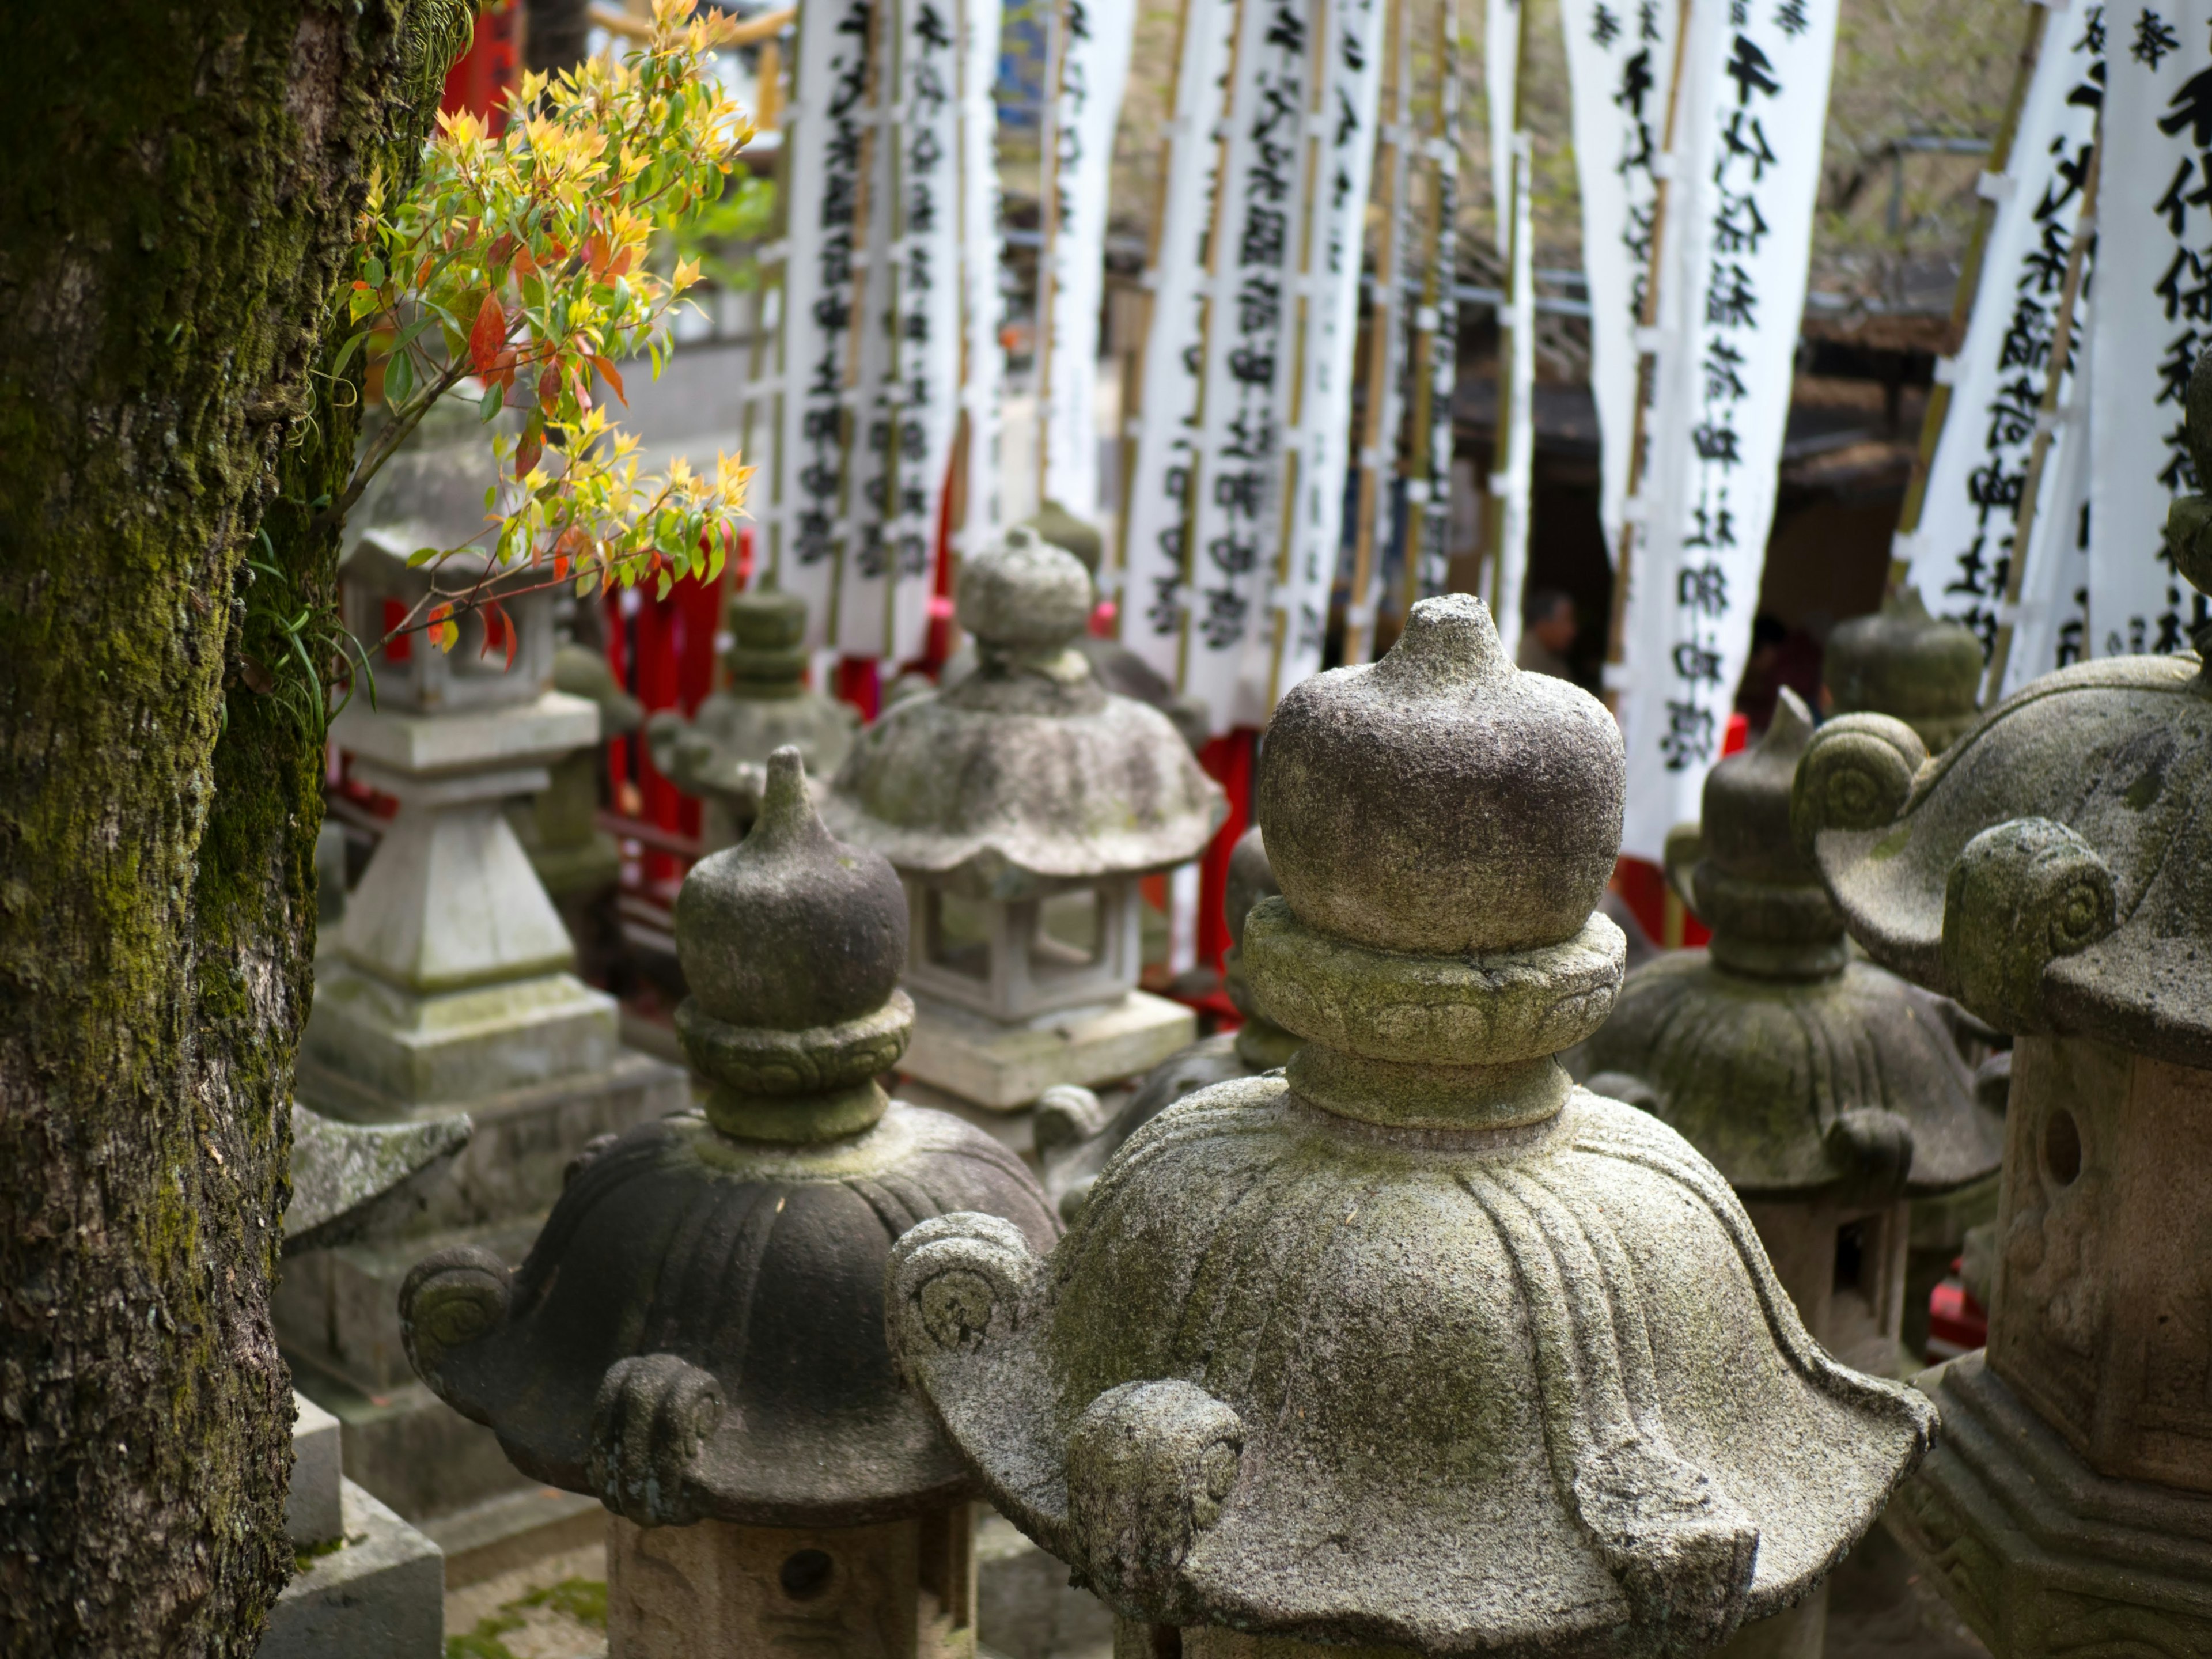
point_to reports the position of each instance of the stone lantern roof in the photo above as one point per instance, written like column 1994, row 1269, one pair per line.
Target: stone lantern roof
column 1029, row 774
column 1787, row 1063
column 1416, row 1343
column 722, row 753
column 2045, row 869
column 697, row 1333
column 1901, row 661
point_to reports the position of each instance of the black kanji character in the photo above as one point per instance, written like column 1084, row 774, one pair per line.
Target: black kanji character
column 1746, row 138
column 1790, row 18
column 2192, row 108
column 1751, row 70
column 1739, row 225
column 1731, row 299
column 1689, row 740
column 2154, row 41
column 1605, row 27
column 1702, row 587
column 1723, row 381
column 1716, row 441
column 1695, row 663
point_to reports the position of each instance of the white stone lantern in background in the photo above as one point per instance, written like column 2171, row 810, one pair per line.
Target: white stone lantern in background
column 1021, row 807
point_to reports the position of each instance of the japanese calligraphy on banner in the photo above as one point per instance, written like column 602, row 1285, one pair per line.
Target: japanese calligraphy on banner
column 1095, row 37
column 1959, row 554
column 2152, row 316
column 829, row 112
column 1163, row 448
column 1513, row 458
column 1341, row 143
column 1732, row 295
column 2052, row 628
column 1239, row 518
column 1620, row 57
column 983, row 359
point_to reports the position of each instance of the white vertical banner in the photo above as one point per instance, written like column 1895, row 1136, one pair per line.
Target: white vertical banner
column 1095, row 37
column 1440, row 322
column 2052, row 628
column 1342, row 145
column 828, row 113
column 1736, row 243
column 1513, row 481
column 863, row 587
column 983, row 370
column 1249, row 360
column 1501, row 72
column 926, row 278
column 2152, row 318
column 1164, row 432
column 1620, row 57
column 1959, row 553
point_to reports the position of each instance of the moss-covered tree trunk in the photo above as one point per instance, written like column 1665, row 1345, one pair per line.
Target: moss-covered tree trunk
column 176, row 206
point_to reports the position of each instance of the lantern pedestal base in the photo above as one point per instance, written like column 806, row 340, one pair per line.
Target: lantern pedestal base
column 2040, row 1553
column 1005, row 1067
column 379, row 1593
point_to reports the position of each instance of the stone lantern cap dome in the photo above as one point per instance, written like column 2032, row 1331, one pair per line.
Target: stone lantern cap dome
column 1415, row 1344
column 1028, row 775
column 1790, row 1065
column 1900, row 661
column 697, row 1333
column 2047, row 869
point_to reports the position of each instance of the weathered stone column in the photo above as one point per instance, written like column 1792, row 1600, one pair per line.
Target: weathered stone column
column 2048, row 870
column 721, row 754
column 449, row 986
column 1418, row 1348
column 1021, row 807
column 1829, row 1091
column 696, row 1339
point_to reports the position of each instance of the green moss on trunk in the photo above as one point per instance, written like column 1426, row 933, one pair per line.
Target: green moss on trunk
column 174, row 217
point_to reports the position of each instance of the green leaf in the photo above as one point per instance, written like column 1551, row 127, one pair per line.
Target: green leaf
column 399, row 380
column 494, row 399
column 421, row 555
column 345, row 353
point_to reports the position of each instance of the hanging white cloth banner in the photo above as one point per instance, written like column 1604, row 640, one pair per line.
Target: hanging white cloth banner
column 908, row 291
column 1095, row 37
column 983, row 359
column 828, row 113
column 2052, row 628
column 1513, row 481
column 2152, row 316
column 1163, row 432
column 1342, row 141
column 1958, row 554
column 1240, row 517
column 1501, row 70
column 1736, row 244
column 1620, row 57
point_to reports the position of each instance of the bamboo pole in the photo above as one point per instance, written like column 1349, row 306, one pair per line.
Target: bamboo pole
column 1384, row 360
column 2062, row 352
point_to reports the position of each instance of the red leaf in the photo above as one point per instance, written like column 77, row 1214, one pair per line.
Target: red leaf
column 607, row 373
column 622, row 263
column 549, row 385
column 560, row 567
column 595, row 253
column 489, row 334
column 527, row 451
column 501, row 250
column 522, row 262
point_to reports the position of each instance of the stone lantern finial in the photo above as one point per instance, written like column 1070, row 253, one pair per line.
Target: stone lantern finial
column 1900, row 661
column 1418, row 1344
column 696, row 1336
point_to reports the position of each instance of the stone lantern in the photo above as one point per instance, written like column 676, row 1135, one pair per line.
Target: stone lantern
column 1075, row 1136
column 451, row 983
column 1828, row 1091
column 1417, row 1346
column 721, row 754
column 1020, row 808
column 1927, row 671
column 1901, row 661
column 696, row 1339
column 2048, row 870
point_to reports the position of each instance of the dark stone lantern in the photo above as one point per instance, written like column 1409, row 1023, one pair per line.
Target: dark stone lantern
column 696, row 1338
column 1901, row 661
column 721, row 754
column 1829, row 1091
column 2048, row 870
column 1415, row 1347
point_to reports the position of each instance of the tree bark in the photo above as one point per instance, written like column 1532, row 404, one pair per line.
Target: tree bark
column 176, row 213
